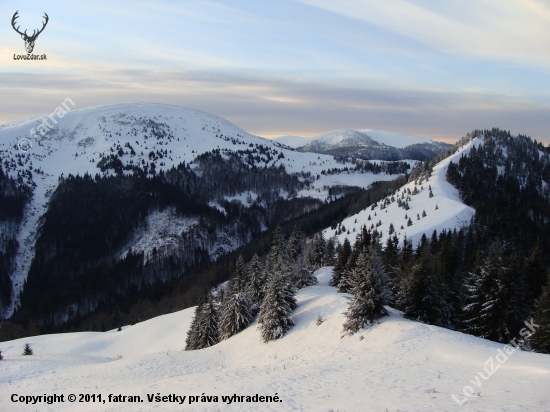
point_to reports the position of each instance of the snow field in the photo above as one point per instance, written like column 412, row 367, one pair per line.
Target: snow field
column 397, row 364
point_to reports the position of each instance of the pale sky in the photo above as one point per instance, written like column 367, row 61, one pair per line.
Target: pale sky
column 431, row 68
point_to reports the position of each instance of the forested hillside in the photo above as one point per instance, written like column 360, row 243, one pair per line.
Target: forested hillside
column 486, row 278
column 14, row 195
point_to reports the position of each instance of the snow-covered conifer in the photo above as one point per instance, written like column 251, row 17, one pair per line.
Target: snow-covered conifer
column 235, row 312
column 370, row 292
column 275, row 312
column 208, row 324
column 193, row 334
column 304, row 277
column 295, row 245
column 317, row 250
column 487, row 299
column 341, row 260
column 257, row 283
column 240, row 272
column 329, row 253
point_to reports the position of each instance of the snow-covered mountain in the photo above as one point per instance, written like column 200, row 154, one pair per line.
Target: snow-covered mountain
column 432, row 204
column 293, row 141
column 204, row 156
column 367, row 144
column 339, row 139
column 394, row 365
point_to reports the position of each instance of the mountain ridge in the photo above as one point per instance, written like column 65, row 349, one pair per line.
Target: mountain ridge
column 367, row 144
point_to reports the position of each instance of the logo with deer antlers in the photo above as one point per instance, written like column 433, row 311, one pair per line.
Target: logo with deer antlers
column 29, row 40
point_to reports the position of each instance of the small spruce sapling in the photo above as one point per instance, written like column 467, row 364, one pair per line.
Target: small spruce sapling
column 28, row 350
column 1, row 356
column 319, row 320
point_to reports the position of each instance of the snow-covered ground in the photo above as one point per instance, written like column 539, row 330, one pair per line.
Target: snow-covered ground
column 451, row 211
column 395, row 365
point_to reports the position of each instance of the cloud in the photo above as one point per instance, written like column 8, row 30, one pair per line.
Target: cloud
column 514, row 29
column 271, row 106
column 432, row 68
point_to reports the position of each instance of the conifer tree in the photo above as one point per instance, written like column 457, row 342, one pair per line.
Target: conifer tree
column 257, row 284
column 236, row 310
column 341, row 260
column 421, row 295
column 540, row 339
column 193, row 334
column 346, row 280
column 390, row 255
column 328, row 254
column 208, row 324
column 488, row 299
column 295, row 245
column 370, row 292
column 317, row 250
column 1, row 356
column 278, row 244
column 275, row 312
column 28, row 350
column 535, row 274
column 304, row 277
column 404, row 264
column 240, row 272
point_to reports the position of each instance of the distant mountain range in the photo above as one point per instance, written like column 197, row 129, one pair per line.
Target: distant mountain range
column 367, row 144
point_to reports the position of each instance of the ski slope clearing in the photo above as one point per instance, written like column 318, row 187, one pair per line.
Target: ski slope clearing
column 445, row 210
column 397, row 364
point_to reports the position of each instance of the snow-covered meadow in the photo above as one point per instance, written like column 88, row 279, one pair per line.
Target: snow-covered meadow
column 396, row 365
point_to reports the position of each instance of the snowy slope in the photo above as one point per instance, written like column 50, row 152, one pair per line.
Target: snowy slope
column 396, row 365
column 293, row 141
column 451, row 212
column 399, row 140
column 338, row 138
column 160, row 134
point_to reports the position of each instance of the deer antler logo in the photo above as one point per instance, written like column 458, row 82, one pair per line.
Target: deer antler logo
column 29, row 40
